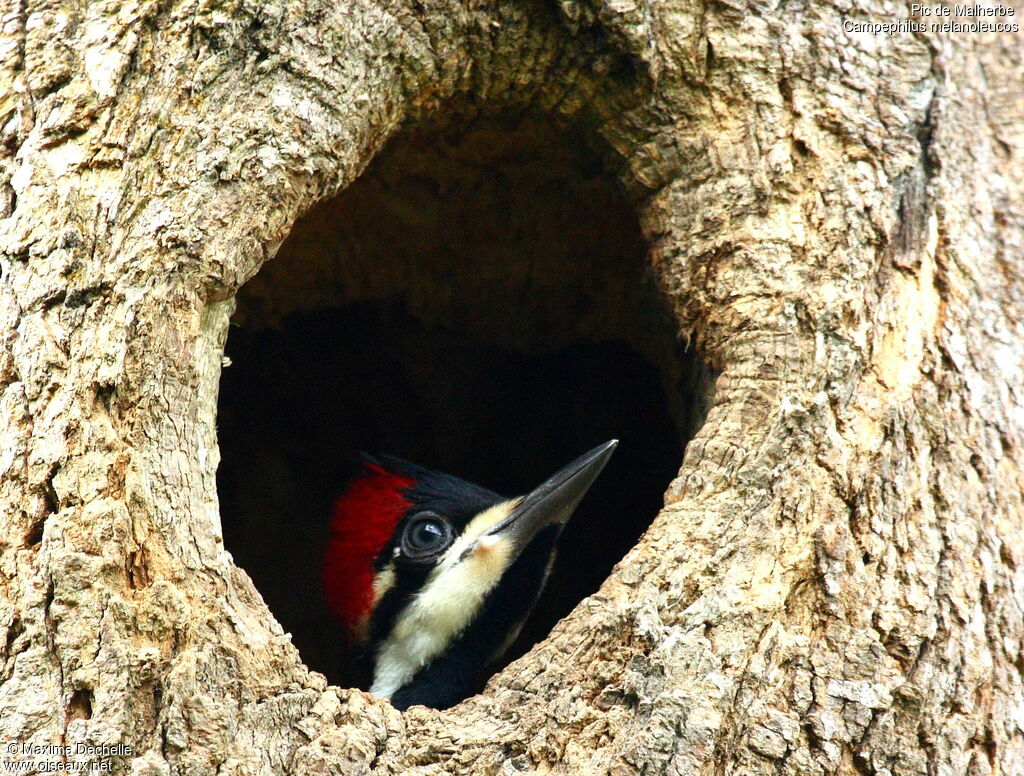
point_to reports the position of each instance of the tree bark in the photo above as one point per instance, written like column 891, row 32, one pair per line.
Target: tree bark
column 836, row 582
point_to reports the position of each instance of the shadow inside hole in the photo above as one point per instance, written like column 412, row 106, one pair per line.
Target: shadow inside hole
column 477, row 303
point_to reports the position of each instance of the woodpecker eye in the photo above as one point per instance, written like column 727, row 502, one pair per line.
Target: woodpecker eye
column 426, row 536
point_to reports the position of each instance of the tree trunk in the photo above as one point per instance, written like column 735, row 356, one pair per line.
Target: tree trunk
column 836, row 582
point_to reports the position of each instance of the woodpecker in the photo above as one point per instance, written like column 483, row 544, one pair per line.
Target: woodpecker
column 432, row 577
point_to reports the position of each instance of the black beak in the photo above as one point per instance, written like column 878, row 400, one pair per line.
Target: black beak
column 553, row 502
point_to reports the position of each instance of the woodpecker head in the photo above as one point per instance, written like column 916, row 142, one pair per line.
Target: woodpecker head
column 433, row 576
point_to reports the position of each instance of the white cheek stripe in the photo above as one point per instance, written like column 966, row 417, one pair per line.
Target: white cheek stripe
column 447, row 604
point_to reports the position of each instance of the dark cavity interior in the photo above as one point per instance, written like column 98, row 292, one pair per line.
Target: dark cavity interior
column 477, row 302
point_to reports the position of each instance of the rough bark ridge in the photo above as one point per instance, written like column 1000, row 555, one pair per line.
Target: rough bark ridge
column 836, row 583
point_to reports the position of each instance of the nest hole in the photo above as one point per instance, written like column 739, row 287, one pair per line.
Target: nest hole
column 478, row 302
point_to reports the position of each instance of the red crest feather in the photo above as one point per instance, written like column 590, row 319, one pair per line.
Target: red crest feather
column 362, row 521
